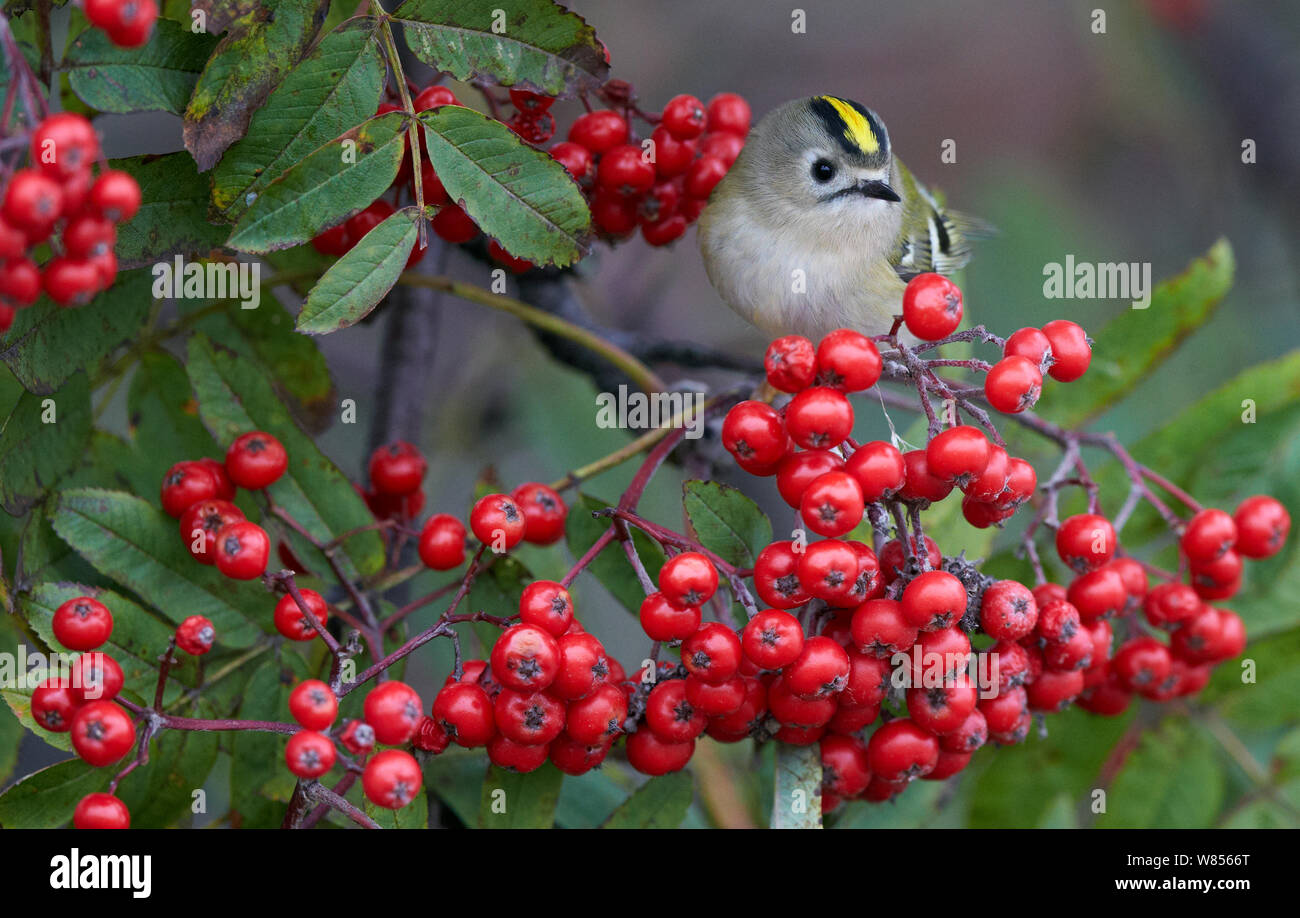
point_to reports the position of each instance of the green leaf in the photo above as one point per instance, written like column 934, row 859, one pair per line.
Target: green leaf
column 164, row 417
column 19, row 703
column 47, row 798
column 1173, row 780
column 11, row 729
column 1130, row 346
column 258, row 48
column 727, row 522
column 47, row 343
column 514, row 801
column 611, row 566
column 797, row 797
column 161, row 792
column 135, row 544
column 660, row 803
column 47, row 557
column 497, row 591
column 332, row 90
column 1276, row 675
column 356, row 283
column 334, row 181
column 257, row 771
column 456, row 778
column 40, row 442
column 158, row 76
column 415, row 815
column 517, row 194
column 536, row 44
column 236, row 397
column 173, row 217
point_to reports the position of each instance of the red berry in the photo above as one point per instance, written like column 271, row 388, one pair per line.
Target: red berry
column 892, row 559
column 544, row 512
column 790, row 363
column 293, row 623
column 772, row 639
column 820, row 671
column 879, row 469
column 832, row 504
column 392, row 779
column 1054, row 689
column 357, row 737
column 752, row 431
column 32, row 202
column 575, row 158
column 1031, row 344
column 335, row 241
column 704, row 174
column 1013, row 385
column 442, row 542
column 715, row 700
column 87, row 235
column 848, row 360
column 525, row 658
column 663, row 621
column 671, row 715
column 688, row 579
column 845, row 769
column 931, row 306
column 920, row 484
column 134, row 24
column 1141, row 663
column 971, row 734
column 1262, row 526
column 1008, row 611
column 792, row 710
column 256, row 460
column 464, row 711
column 959, row 455
column 828, row 570
column 1218, row 579
column 20, row 282
column 583, row 666
column 599, row 131
column 819, row 418
column 1086, row 541
column 1208, row 535
column 934, row 600
column 880, row 628
column 53, row 705
column 685, row 117
column 453, row 225
column 673, row 156
column 313, row 704
column 728, row 113
column 498, row 522
column 598, row 717
column 575, row 758
column 900, row 750
column 798, row 471
column 1097, row 593
column 434, row 97
column 196, row 635
column 613, row 213
column 70, row 281
column 397, row 468
column 547, row 605
column 651, row 755
column 309, row 754
column 185, row 484
column 96, row 675
column 712, row 654
column 1071, row 350
column 242, row 550
column 393, row 709
column 83, row 623
column 529, row 719
column 942, row 708
column 625, row 171
column 101, row 811
column 116, row 196
column 102, row 733
column 939, row 655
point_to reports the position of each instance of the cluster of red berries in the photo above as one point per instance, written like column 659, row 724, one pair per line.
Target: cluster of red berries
column 80, row 702
column 128, row 23
column 59, row 202
column 660, row 184
column 201, row 493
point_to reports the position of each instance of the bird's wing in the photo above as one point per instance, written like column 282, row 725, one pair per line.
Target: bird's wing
column 933, row 238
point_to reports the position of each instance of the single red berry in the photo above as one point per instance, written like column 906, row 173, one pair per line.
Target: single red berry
column 665, row 621
column 1054, row 689
column 32, row 202
column 819, row 418
column 1108, row 698
column 583, row 666
column 704, row 174
column 70, row 281
column 544, row 512
column 256, row 460
column 820, row 671
column 20, row 282
column 1008, row 611
column 527, row 101
column 547, row 605
column 685, row 117
column 1097, row 593
column 397, row 468
column 53, row 705
column 392, row 779
column 599, row 131
column 828, row 570
column 309, row 754
column 776, row 576
column 1058, row 621
column 87, row 235
column 971, row 734
column 790, row 363
column 728, row 113
column 393, row 710
column 1141, row 662
column 1071, row 350
column 96, row 675
column 845, row 769
column 1209, row 534
column 613, row 213
column 712, row 653
column 892, row 559
column 1003, row 714
column 1262, row 526
column 185, row 484
column 931, row 306
column 290, row 620
column 83, row 623
column 574, row 758
column 225, row 487
column 101, row 811
column 798, row 471
column 465, row 712
column 1071, row 654
column 525, row 658
column 115, row 196
column 442, row 542
column 715, row 700
column 879, row 469
column 498, row 522
column 673, row 155
column 832, row 504
column 671, row 715
column 1031, row 344
column 196, row 635
column 357, row 737
column 1013, row 385
column 934, row 600
column 651, row 755
column 1134, row 577
column 517, row 757
column 313, row 704
column 598, row 717
column 920, row 484
column 134, row 23
column 901, row 750
column 432, row 97
column 989, row 485
column 959, row 454
column 1085, row 542
column 1218, row 579
column 242, row 550
column 530, row 719
column 848, row 360
column 880, row 628
column 772, row 639
column 753, row 432
column 453, row 225
column 624, row 170
column 102, row 733
column 943, row 708
column 688, row 579
column 939, row 655
column 576, row 159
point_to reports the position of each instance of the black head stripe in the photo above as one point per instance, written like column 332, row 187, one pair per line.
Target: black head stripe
column 857, row 131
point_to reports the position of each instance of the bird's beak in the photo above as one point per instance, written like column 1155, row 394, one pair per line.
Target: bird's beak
column 878, row 189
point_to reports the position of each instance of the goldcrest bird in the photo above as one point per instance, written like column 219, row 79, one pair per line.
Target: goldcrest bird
column 818, row 226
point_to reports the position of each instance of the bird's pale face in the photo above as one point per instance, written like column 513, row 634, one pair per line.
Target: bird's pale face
column 833, row 185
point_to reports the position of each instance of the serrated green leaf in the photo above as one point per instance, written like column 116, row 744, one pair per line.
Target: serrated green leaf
column 518, row 195
column 47, row 798
column 356, row 283
column 160, row 75
column 41, row 440
column 173, row 215
column 323, row 187
column 259, row 46
column 797, row 796
column 726, row 522
column 126, row 539
column 1131, row 345
column 164, row 417
column 514, row 801
column 47, row 343
column 257, row 770
column 1171, row 781
column 611, row 566
column 162, row 791
column 332, row 90
column 534, row 44
column 236, row 397
column 47, row 557
column 660, row 803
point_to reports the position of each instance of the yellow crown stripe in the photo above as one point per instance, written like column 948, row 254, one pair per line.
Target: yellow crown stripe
column 857, row 129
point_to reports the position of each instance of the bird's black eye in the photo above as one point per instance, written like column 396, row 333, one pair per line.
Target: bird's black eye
column 823, row 170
